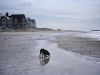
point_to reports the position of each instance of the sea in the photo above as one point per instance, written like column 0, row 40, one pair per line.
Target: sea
column 91, row 34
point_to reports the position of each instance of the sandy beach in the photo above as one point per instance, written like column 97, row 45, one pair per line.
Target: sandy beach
column 19, row 53
column 82, row 45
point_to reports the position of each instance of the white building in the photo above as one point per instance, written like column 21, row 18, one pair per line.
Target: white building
column 6, row 22
column 16, row 21
column 31, row 23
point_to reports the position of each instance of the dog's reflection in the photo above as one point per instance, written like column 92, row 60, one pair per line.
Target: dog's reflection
column 44, row 61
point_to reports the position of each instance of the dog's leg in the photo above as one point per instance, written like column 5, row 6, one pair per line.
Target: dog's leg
column 48, row 56
column 42, row 55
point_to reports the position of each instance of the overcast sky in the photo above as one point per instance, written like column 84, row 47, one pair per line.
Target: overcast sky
column 57, row 14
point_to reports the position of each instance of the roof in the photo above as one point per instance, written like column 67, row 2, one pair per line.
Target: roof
column 10, row 17
column 18, row 16
column 4, row 17
column 32, row 20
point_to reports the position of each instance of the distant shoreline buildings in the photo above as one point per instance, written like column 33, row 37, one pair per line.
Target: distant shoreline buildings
column 16, row 21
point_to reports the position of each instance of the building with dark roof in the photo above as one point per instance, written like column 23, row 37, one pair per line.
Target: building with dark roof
column 19, row 20
column 6, row 22
column 16, row 21
column 31, row 23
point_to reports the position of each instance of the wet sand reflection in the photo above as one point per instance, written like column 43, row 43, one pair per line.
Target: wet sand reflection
column 44, row 61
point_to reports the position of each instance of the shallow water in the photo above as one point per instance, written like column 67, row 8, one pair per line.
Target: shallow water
column 92, row 34
column 21, row 57
column 64, row 63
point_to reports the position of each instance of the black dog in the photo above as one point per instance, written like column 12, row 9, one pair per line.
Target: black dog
column 44, row 53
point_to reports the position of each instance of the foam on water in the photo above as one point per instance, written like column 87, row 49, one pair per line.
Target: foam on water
column 89, row 34
column 92, row 34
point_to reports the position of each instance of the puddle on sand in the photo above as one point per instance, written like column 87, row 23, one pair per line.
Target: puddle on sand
column 44, row 61
column 64, row 63
column 27, row 62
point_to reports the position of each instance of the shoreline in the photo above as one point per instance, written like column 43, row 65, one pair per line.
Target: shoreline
column 37, row 29
column 81, row 45
column 19, row 54
column 77, row 44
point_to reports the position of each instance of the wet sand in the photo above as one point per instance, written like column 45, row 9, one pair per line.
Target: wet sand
column 19, row 54
column 82, row 45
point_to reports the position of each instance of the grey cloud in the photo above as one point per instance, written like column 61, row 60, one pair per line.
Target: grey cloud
column 47, row 11
column 67, row 13
column 25, row 3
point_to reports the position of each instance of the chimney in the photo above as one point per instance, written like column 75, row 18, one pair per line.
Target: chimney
column 7, row 14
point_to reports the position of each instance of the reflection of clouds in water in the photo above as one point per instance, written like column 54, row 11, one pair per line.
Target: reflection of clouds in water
column 44, row 61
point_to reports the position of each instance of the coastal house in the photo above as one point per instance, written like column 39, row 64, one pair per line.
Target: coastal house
column 31, row 23
column 19, row 20
column 16, row 21
column 5, row 22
